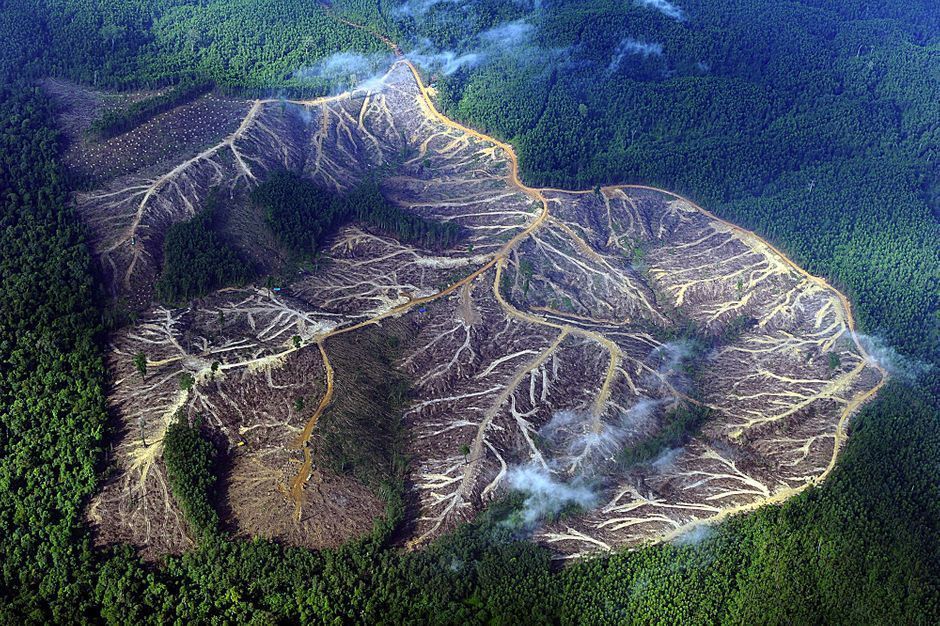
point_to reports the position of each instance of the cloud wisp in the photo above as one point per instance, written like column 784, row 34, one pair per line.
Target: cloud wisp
column 577, row 450
column 578, row 454
column 665, row 7
column 444, row 61
column 509, row 34
column 546, row 494
column 417, row 8
column 695, row 536
column 510, row 39
column 346, row 70
column 886, row 357
column 629, row 46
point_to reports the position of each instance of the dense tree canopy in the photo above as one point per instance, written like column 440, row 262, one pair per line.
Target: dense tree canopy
column 302, row 215
column 197, row 259
column 813, row 122
column 189, row 459
column 52, row 412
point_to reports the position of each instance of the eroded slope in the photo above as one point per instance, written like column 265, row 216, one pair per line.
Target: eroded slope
column 565, row 329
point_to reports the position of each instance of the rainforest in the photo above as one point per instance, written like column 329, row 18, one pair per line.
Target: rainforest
column 498, row 311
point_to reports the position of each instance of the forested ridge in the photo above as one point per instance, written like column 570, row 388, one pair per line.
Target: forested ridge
column 846, row 186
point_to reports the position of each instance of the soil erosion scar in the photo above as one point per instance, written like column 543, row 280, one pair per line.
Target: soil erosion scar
column 498, row 261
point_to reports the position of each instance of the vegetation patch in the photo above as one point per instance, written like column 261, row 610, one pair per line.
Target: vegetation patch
column 197, row 259
column 679, row 426
column 303, row 215
column 189, row 459
column 360, row 434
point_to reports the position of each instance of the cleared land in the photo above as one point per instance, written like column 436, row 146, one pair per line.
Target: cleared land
column 566, row 328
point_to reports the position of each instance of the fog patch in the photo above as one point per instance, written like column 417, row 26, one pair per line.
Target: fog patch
column 546, row 494
column 509, row 34
column 575, row 441
column 629, row 46
column 671, row 361
column 510, row 39
column 577, row 450
column 665, row 7
column 666, row 459
column 444, row 61
column 672, row 355
column 695, row 535
column 880, row 354
column 420, row 8
column 577, row 454
column 417, row 8
column 345, row 70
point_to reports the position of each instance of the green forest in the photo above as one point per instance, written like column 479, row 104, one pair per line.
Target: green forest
column 197, row 259
column 302, row 216
column 813, row 123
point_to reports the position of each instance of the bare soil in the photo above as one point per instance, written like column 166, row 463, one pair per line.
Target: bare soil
column 558, row 303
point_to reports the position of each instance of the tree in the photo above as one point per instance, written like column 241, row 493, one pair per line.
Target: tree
column 187, row 381
column 140, row 364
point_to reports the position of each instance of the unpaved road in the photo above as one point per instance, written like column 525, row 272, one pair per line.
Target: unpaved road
column 568, row 323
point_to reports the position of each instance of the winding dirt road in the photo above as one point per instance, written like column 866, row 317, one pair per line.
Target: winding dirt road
column 499, row 261
column 490, row 396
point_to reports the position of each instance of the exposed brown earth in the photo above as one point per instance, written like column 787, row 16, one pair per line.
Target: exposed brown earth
column 557, row 304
